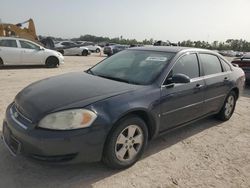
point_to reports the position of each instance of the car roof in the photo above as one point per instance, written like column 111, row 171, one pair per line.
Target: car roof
column 18, row 38
column 12, row 38
column 173, row 49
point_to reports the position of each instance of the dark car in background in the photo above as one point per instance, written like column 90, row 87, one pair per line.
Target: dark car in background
column 113, row 49
column 244, row 63
column 113, row 109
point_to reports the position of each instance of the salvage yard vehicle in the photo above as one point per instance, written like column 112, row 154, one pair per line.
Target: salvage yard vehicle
column 90, row 45
column 71, row 48
column 113, row 49
column 18, row 51
column 110, row 111
column 244, row 63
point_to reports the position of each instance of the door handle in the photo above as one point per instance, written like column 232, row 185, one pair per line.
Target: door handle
column 226, row 79
column 198, row 86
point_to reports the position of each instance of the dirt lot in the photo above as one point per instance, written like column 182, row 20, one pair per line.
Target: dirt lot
column 207, row 153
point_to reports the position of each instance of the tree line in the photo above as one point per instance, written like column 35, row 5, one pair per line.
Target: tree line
column 230, row 44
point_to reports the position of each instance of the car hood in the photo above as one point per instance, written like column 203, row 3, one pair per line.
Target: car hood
column 51, row 51
column 72, row 90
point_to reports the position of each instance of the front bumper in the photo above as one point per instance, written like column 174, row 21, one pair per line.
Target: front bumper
column 83, row 145
column 61, row 59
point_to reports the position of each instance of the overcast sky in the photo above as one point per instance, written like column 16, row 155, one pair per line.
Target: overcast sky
column 173, row 20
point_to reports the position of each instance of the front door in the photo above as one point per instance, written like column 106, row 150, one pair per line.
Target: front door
column 31, row 53
column 181, row 103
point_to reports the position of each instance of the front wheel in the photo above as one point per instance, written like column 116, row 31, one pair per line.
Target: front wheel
column 97, row 50
column 85, row 53
column 52, row 62
column 1, row 62
column 126, row 143
column 228, row 107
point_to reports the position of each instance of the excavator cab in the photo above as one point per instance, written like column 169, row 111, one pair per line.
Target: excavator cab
column 28, row 32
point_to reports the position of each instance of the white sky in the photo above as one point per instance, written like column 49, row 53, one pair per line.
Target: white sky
column 173, row 20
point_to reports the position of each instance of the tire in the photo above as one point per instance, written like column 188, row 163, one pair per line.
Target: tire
column 52, row 62
column 131, row 147
column 61, row 51
column 85, row 53
column 97, row 50
column 228, row 107
column 1, row 62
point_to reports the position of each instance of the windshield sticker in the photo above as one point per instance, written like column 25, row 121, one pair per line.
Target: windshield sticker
column 156, row 59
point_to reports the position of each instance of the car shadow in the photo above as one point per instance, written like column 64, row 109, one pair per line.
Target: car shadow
column 20, row 171
column 179, row 135
column 7, row 67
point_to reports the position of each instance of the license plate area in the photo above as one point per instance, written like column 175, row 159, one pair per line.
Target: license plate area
column 10, row 141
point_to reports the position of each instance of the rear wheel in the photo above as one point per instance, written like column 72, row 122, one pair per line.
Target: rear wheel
column 228, row 108
column 97, row 50
column 1, row 62
column 85, row 53
column 126, row 143
column 52, row 62
column 61, row 51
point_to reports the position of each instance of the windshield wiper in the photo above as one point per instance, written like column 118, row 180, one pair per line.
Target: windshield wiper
column 90, row 71
column 118, row 79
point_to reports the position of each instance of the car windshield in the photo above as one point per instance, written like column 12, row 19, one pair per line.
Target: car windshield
column 133, row 66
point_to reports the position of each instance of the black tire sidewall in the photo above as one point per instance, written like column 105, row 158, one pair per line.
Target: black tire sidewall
column 52, row 62
column 1, row 62
column 222, row 116
column 97, row 50
column 61, row 51
column 84, row 53
column 109, row 152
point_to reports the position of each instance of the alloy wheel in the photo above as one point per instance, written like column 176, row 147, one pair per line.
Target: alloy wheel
column 229, row 105
column 129, row 143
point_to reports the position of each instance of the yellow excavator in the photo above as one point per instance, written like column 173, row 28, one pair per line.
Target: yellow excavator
column 29, row 32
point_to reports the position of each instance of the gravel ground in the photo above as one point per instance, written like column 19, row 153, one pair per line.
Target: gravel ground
column 208, row 153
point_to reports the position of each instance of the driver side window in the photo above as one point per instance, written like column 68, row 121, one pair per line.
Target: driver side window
column 28, row 45
column 188, row 65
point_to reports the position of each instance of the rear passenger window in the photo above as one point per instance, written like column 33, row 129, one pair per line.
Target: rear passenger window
column 225, row 65
column 187, row 65
column 8, row 43
column 211, row 64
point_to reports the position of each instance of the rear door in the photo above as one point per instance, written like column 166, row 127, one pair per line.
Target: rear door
column 31, row 53
column 9, row 52
column 181, row 103
column 73, row 50
column 217, row 80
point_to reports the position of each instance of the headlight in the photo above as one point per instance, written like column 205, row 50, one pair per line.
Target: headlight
column 68, row 120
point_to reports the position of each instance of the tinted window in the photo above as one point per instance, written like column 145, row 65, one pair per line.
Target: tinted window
column 211, row 64
column 68, row 44
column 89, row 43
column 225, row 65
column 8, row 43
column 187, row 65
column 28, row 45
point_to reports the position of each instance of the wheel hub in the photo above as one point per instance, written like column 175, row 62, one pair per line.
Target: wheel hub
column 129, row 143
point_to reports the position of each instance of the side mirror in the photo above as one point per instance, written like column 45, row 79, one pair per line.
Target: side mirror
column 180, row 78
column 41, row 48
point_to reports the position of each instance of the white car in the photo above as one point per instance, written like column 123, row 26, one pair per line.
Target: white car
column 17, row 51
column 90, row 45
column 71, row 48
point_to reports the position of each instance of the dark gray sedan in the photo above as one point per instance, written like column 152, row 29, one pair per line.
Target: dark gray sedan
column 112, row 110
